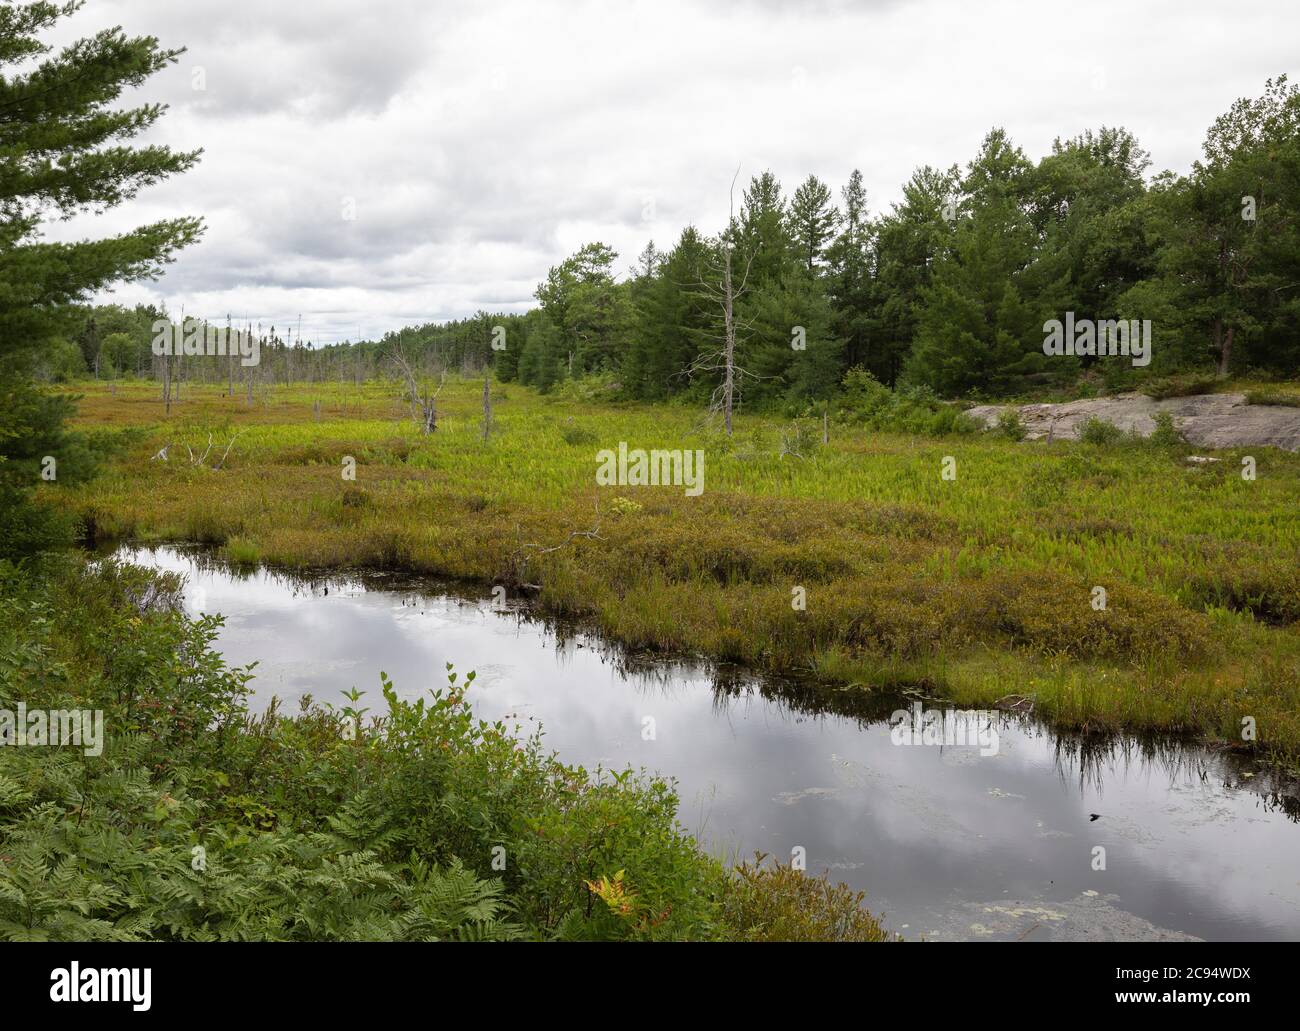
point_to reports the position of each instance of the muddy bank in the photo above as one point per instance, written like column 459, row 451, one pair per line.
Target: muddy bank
column 1205, row 420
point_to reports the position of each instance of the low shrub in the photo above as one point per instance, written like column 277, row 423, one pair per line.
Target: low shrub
column 576, row 436
column 1100, row 433
column 1272, row 397
column 200, row 822
column 865, row 401
column 771, row 902
column 1010, row 426
column 1166, row 434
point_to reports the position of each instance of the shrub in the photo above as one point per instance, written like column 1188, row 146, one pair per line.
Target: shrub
column 1272, row 397
column 1010, row 426
column 1166, row 434
column 864, row 401
column 577, row 435
column 800, row 440
column 778, row 903
column 1100, row 433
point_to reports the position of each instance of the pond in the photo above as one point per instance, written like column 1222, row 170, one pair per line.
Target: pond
column 949, row 843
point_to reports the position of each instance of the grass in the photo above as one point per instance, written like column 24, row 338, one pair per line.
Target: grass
column 1287, row 398
column 977, row 587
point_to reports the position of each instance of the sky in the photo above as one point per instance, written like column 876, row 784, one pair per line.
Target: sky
column 371, row 164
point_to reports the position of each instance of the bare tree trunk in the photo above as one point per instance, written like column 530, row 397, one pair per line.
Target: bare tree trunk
column 726, row 296
column 423, row 410
column 1225, row 351
column 729, row 346
column 487, row 404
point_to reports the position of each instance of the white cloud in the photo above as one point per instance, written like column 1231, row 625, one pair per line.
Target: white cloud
column 481, row 142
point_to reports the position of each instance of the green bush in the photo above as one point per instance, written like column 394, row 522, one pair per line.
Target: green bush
column 577, row 435
column 1272, row 397
column 1010, row 426
column 1100, row 433
column 200, row 822
column 864, row 401
column 1166, row 435
column 778, row 903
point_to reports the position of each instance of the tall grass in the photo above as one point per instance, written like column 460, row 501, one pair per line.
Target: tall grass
column 988, row 577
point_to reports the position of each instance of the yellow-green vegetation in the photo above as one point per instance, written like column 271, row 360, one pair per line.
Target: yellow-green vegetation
column 973, row 588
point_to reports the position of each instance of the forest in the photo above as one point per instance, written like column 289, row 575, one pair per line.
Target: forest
column 947, row 292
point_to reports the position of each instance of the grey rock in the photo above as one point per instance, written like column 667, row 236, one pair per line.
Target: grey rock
column 1205, row 420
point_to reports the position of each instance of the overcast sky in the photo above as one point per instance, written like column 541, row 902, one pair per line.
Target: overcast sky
column 479, row 143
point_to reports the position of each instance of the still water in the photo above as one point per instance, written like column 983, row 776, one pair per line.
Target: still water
column 947, row 843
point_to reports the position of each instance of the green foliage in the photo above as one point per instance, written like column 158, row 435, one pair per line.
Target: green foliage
column 1166, row 435
column 53, row 156
column 1100, row 433
column 1185, row 385
column 201, row 823
column 772, row 902
column 63, row 150
column 980, row 325
column 1272, row 397
column 577, row 436
column 866, row 402
column 1010, row 426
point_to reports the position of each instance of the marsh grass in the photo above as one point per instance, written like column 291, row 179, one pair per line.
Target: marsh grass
column 978, row 587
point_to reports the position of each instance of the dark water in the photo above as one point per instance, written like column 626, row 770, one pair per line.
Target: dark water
column 949, row 844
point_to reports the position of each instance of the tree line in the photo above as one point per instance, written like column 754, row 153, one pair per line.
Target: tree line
column 948, row 290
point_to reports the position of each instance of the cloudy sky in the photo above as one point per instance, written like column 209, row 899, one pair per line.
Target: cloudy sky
column 476, row 144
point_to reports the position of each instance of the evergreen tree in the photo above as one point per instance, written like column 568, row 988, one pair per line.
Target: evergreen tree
column 1230, row 255
column 63, row 150
column 976, row 329
column 670, row 321
column 850, row 279
column 811, row 223
column 908, row 244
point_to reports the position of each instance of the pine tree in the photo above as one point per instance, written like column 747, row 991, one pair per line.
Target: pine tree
column 671, row 321
column 976, row 329
column 811, row 223
column 850, row 278
column 62, row 152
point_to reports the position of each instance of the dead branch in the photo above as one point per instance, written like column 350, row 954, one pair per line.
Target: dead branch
column 227, row 451
column 520, row 556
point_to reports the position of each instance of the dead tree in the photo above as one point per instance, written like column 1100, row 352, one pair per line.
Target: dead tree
column 725, row 296
column 487, row 402
column 424, row 408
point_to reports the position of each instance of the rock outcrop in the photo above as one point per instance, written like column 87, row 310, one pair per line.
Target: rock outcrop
column 1205, row 420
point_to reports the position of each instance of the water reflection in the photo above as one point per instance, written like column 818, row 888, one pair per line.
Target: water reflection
column 948, row 843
